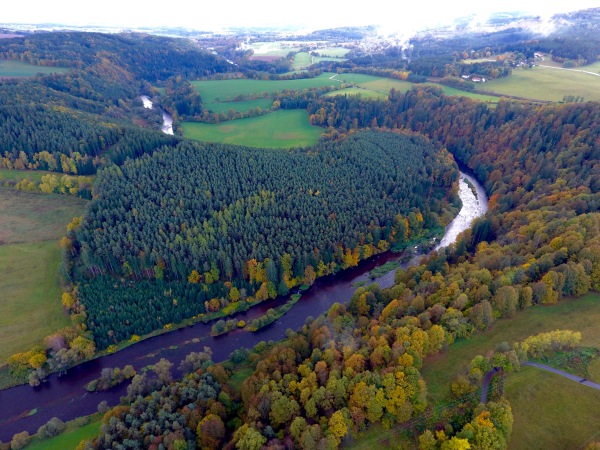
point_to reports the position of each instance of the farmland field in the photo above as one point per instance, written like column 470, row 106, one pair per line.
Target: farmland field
column 15, row 176
column 242, row 94
column 580, row 314
column 279, row 129
column 377, row 84
column 550, row 411
column 552, row 84
column 68, row 439
column 240, row 106
column 21, row 69
column 457, row 92
column 384, row 85
column 30, row 227
column 213, row 91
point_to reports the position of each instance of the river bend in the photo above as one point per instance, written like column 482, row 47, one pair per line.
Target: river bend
column 66, row 398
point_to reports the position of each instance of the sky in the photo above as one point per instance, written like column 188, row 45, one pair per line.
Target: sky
column 308, row 14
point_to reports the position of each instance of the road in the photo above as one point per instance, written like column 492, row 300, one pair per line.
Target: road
column 489, row 375
column 572, row 70
column 562, row 373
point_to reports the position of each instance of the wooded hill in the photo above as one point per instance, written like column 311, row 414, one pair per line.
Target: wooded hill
column 259, row 221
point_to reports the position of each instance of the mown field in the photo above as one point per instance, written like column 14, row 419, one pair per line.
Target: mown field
column 303, row 60
column 384, row 85
column 552, row 84
column 17, row 175
column 21, row 69
column 214, row 91
column 31, row 225
column 581, row 314
column 551, row 412
column 240, row 106
column 279, row 129
column 67, row 440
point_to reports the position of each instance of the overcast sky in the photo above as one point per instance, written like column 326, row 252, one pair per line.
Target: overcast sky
column 217, row 14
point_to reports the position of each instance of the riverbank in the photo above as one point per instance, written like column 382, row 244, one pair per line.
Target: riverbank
column 65, row 397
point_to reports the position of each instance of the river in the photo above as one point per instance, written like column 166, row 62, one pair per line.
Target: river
column 167, row 125
column 66, row 398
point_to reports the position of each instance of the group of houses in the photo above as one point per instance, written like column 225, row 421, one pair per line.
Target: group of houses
column 474, row 78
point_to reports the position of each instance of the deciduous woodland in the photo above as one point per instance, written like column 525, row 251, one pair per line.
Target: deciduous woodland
column 179, row 228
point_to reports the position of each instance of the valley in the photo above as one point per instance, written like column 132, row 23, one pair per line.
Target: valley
column 260, row 240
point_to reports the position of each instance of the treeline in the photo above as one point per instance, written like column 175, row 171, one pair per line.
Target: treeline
column 448, row 66
column 55, row 138
column 151, row 58
column 222, row 217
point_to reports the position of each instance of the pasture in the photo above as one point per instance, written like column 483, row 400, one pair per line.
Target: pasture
column 580, row 314
column 68, row 439
column 279, row 129
column 213, row 91
column 10, row 68
column 384, row 85
column 550, row 411
column 549, row 83
column 31, row 225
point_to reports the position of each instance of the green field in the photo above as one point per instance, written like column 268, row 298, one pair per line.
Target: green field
column 581, row 314
column 9, row 68
column 240, row 106
column 279, row 129
column 18, row 175
column 30, row 226
column 302, row 60
column 594, row 370
column 543, row 83
column 373, row 83
column 384, row 85
column 213, row 91
column 551, row 412
column 67, row 440
column 458, row 93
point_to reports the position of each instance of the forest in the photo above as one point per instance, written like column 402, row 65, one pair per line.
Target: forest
column 178, row 229
column 242, row 222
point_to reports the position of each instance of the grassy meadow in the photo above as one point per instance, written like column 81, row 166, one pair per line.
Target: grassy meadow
column 551, row 411
column 31, row 225
column 215, row 91
column 551, row 84
column 10, row 68
column 279, row 129
column 581, row 314
column 68, row 439
column 14, row 176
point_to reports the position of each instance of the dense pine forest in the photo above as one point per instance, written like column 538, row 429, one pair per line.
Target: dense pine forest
column 232, row 219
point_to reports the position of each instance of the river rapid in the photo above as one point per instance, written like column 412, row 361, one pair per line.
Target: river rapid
column 66, row 398
column 167, row 125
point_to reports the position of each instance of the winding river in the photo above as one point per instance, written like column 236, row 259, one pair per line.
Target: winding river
column 66, row 398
